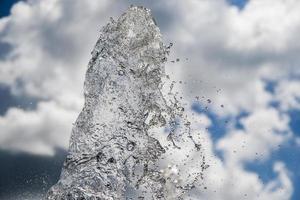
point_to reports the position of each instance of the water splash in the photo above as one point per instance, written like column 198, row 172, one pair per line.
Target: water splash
column 117, row 149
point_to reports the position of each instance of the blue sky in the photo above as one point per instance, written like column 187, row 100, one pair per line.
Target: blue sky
column 289, row 152
column 253, row 79
column 239, row 3
column 5, row 7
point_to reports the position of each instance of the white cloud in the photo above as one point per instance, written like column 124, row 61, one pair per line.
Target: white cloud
column 37, row 131
column 51, row 42
column 264, row 131
column 51, row 58
column 229, row 53
column 288, row 94
column 231, row 50
column 228, row 179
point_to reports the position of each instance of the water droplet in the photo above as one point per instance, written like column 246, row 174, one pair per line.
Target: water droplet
column 130, row 146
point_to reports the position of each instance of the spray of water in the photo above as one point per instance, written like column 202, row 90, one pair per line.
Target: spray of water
column 125, row 141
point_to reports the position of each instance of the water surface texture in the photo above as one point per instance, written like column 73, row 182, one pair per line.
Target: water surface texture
column 117, row 149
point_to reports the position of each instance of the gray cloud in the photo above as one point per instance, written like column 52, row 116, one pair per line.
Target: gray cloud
column 25, row 176
column 229, row 53
column 5, row 48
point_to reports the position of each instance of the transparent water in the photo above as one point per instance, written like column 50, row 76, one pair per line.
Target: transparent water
column 126, row 139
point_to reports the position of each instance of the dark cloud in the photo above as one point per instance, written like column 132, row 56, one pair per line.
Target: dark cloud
column 222, row 52
column 5, row 48
column 25, row 175
column 9, row 100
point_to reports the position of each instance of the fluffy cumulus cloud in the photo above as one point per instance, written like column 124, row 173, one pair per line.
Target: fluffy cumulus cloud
column 227, row 55
column 258, row 139
column 50, row 43
column 36, row 131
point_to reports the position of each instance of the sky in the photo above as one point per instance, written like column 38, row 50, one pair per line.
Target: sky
column 240, row 74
